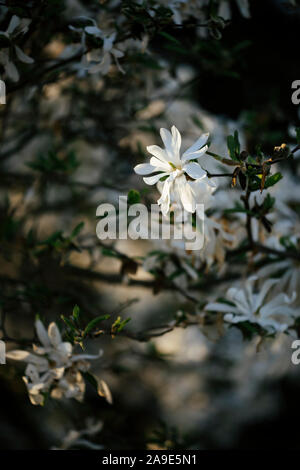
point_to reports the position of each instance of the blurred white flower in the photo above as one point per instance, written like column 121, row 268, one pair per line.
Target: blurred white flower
column 289, row 267
column 184, row 9
column 98, row 59
column 272, row 313
column 75, row 439
column 16, row 27
column 53, row 367
column 108, row 53
column 178, row 171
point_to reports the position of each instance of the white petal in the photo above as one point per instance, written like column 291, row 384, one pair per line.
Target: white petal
column 54, row 334
column 23, row 57
column 103, row 391
column 65, row 348
column 235, row 319
column 144, row 169
column 83, row 357
column 158, row 152
column 219, row 307
column 94, row 30
column 264, row 291
column 32, row 372
column 154, row 179
column 176, row 141
column 244, row 8
column 194, row 155
column 238, row 296
column 196, row 146
column 164, row 200
column 167, row 139
column 118, row 54
column 18, row 355
column 25, row 356
column 108, row 42
column 272, row 268
column 185, row 194
column 42, row 333
column 194, row 170
column 14, row 23
column 160, row 165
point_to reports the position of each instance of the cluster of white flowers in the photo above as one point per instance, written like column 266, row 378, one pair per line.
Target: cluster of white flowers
column 97, row 60
column 17, row 27
column 53, row 367
column 183, row 184
column 259, row 306
column 184, row 181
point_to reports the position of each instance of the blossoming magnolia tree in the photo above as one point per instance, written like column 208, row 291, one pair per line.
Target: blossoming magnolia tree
column 94, row 328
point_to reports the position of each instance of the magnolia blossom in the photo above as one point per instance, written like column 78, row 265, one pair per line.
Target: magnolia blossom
column 179, row 172
column 289, row 267
column 245, row 304
column 213, row 235
column 52, row 367
column 107, row 55
column 15, row 28
column 75, row 439
column 98, row 60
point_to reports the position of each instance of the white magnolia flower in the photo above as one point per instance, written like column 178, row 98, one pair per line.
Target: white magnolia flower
column 75, row 438
column 179, row 171
column 16, row 27
column 36, row 383
column 99, row 59
column 289, row 268
column 53, row 367
column 270, row 312
column 108, row 53
column 217, row 238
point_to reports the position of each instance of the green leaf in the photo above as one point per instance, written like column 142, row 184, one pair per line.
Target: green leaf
column 268, row 202
column 119, row 324
column 134, row 197
column 197, row 122
column 237, row 142
column 170, row 38
column 109, row 252
column 231, row 147
column 77, row 230
column 68, row 322
column 95, row 322
column 76, row 312
column 123, row 323
column 273, row 180
column 234, row 147
column 56, row 236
